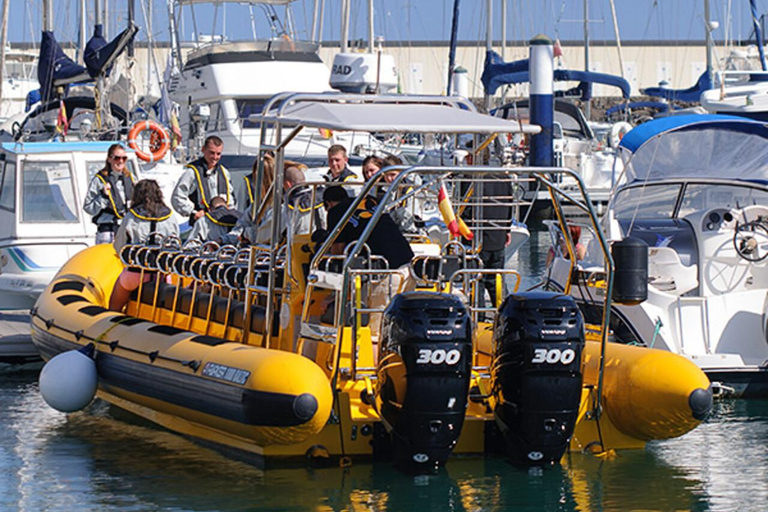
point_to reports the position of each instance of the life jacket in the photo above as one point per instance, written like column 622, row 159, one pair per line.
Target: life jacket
column 117, row 203
column 223, row 216
column 346, row 175
column 141, row 213
column 203, row 195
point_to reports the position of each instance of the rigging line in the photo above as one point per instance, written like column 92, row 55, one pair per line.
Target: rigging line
column 618, row 38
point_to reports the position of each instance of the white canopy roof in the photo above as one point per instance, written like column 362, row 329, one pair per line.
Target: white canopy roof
column 395, row 117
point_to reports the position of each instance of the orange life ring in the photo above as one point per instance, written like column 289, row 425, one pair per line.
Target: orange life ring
column 159, row 141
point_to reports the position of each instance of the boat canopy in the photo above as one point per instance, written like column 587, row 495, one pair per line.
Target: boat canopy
column 696, row 147
column 395, row 116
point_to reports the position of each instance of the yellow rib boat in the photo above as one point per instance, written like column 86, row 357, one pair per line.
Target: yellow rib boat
column 234, row 348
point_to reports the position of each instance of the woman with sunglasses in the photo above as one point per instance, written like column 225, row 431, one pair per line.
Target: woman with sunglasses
column 108, row 194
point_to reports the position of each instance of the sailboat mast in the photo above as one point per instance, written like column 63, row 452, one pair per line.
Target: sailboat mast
column 710, row 44
column 344, row 25
column 3, row 42
column 370, row 27
column 452, row 47
column 47, row 16
column 588, row 103
column 488, row 44
column 83, row 30
column 504, row 30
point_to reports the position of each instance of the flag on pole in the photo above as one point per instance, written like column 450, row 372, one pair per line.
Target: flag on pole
column 325, row 133
column 456, row 226
column 61, row 120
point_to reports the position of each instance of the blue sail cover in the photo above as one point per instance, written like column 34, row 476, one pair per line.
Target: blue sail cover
column 691, row 94
column 709, row 146
column 498, row 73
column 100, row 55
column 53, row 65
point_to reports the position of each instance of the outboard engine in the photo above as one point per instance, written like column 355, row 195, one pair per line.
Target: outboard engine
column 536, row 374
column 424, row 369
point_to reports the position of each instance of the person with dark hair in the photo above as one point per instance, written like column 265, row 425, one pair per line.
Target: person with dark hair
column 108, row 195
column 338, row 166
column 148, row 220
column 203, row 179
column 371, row 165
column 385, row 240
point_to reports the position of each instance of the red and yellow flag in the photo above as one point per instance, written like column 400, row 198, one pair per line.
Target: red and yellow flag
column 61, row 120
column 456, row 226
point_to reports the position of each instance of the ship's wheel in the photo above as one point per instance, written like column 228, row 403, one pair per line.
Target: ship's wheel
column 751, row 240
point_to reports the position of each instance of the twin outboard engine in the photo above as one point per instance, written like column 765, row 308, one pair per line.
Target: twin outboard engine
column 536, row 374
column 424, row 369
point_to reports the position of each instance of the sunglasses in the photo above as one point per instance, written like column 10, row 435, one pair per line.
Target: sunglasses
column 120, row 158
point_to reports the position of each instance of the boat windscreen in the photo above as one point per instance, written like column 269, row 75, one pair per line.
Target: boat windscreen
column 646, row 202
column 705, row 152
column 48, row 193
column 706, row 196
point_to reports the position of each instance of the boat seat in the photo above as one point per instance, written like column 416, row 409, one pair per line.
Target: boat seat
column 257, row 317
column 668, row 274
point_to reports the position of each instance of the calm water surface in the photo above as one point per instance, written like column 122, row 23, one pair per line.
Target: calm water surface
column 100, row 459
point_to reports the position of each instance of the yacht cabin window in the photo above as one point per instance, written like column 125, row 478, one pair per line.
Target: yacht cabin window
column 8, row 184
column 48, row 193
column 646, row 202
column 248, row 107
column 215, row 122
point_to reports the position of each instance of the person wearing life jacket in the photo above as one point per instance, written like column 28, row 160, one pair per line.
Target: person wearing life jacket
column 148, row 220
column 203, row 179
column 338, row 168
column 108, row 195
column 300, row 214
column 216, row 225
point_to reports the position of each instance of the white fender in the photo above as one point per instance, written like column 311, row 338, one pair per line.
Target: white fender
column 69, row 380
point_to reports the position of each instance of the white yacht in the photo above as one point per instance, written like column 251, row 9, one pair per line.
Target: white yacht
column 694, row 190
column 222, row 85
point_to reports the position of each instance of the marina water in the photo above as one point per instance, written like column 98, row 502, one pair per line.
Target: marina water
column 103, row 459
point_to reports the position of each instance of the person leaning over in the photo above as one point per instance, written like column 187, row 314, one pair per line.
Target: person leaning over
column 148, row 215
column 216, row 225
column 203, row 179
column 108, row 194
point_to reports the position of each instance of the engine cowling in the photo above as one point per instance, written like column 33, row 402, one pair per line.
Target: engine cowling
column 424, row 369
column 536, row 374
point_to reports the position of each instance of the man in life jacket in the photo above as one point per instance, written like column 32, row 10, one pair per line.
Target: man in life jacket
column 109, row 194
column 216, row 224
column 203, row 179
column 338, row 168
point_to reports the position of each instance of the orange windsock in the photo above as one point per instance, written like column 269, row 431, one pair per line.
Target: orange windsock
column 456, row 227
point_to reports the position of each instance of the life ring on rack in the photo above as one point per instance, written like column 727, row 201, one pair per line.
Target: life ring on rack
column 617, row 132
column 159, row 142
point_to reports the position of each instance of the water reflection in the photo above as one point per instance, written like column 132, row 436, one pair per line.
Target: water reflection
column 93, row 460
